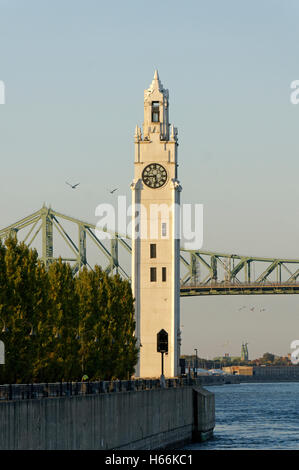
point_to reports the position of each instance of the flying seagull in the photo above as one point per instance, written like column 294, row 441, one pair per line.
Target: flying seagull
column 73, row 186
column 113, row 190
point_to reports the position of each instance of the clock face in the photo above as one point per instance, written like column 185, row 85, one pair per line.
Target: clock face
column 154, row 175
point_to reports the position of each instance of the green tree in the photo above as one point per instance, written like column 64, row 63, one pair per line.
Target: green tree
column 89, row 289
column 106, row 327
column 24, row 297
column 268, row 358
column 3, row 283
column 61, row 361
column 122, row 325
column 57, row 327
column 3, row 303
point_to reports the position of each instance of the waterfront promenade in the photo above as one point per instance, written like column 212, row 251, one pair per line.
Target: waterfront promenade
column 120, row 415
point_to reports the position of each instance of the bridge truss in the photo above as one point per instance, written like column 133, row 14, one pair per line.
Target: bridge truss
column 202, row 272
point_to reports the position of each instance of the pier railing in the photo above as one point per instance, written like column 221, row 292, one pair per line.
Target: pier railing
column 65, row 389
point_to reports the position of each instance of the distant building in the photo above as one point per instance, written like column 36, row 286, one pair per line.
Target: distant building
column 238, row 370
column 291, row 372
column 227, row 358
column 244, row 352
column 222, row 358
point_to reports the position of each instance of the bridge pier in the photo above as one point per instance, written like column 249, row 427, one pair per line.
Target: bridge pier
column 47, row 237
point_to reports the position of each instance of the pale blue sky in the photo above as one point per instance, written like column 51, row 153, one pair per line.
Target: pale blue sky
column 75, row 73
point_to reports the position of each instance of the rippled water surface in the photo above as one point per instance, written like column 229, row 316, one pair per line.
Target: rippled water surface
column 255, row 416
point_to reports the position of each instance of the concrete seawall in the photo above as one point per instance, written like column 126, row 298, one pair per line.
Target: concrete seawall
column 145, row 419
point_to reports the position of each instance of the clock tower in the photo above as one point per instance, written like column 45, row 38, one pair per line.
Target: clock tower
column 155, row 235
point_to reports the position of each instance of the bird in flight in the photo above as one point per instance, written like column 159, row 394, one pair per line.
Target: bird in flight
column 73, row 186
column 112, row 191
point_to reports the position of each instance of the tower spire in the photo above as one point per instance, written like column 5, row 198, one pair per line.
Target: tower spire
column 156, row 84
column 156, row 120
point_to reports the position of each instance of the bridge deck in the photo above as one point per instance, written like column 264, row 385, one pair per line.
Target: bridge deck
column 237, row 289
column 202, row 272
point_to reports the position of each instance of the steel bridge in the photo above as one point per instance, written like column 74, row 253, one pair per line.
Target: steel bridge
column 202, row 272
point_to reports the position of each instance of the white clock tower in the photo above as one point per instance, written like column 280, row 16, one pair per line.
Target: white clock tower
column 155, row 237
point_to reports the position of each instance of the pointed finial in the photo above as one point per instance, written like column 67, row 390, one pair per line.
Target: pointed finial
column 156, row 84
column 137, row 133
column 172, row 133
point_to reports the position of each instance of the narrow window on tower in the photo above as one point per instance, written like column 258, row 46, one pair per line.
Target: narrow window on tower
column 153, row 250
column 155, row 111
column 153, row 274
column 164, row 229
column 163, row 274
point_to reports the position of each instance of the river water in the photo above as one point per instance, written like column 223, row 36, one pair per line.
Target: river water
column 255, row 416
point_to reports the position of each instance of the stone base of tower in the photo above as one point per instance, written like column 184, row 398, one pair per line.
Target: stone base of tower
column 150, row 363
